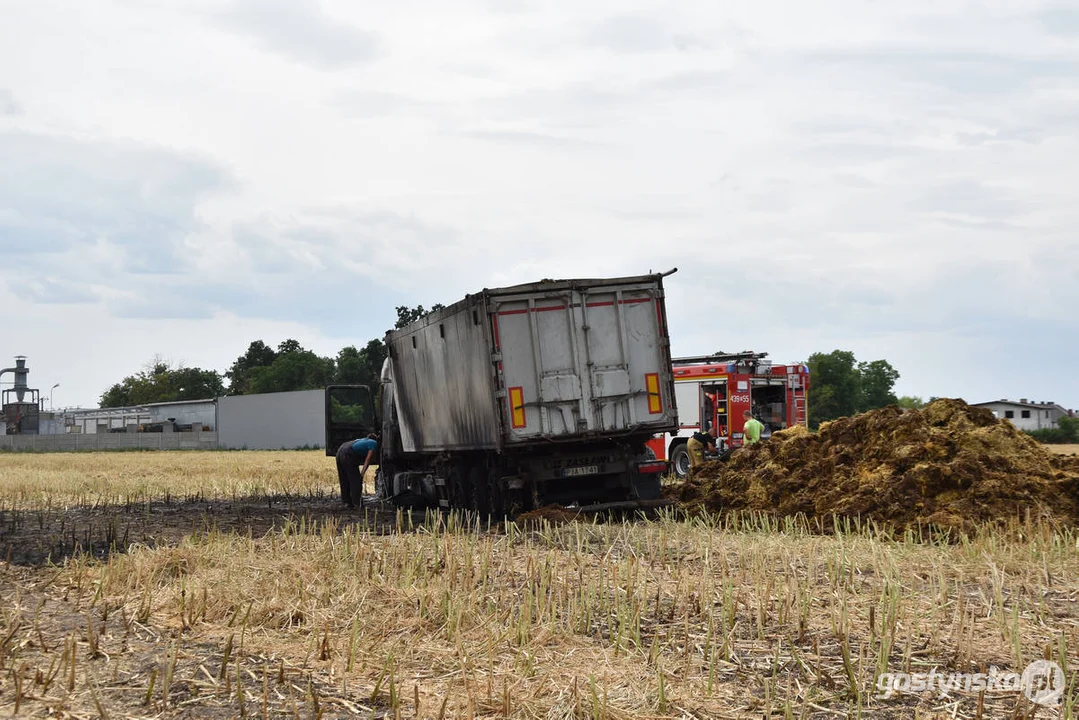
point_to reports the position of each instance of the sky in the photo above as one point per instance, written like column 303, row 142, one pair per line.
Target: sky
column 179, row 178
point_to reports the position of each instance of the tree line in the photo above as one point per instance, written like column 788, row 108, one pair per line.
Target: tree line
column 840, row 385
column 261, row 369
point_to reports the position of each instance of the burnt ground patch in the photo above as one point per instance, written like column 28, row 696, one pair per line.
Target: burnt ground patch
column 44, row 536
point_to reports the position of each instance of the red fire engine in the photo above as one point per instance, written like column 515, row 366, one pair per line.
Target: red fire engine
column 712, row 393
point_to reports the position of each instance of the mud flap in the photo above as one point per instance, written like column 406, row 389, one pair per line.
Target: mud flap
column 647, row 486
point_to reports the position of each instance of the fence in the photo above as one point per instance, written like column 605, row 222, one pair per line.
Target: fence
column 111, row 441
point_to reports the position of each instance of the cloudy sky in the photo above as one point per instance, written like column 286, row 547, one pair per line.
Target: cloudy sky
column 181, row 177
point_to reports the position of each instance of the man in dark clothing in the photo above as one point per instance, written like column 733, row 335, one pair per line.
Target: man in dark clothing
column 350, row 456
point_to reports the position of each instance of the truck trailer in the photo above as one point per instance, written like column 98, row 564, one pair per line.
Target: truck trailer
column 518, row 397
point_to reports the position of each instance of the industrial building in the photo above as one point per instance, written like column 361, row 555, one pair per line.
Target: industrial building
column 178, row 416
column 271, row 421
column 1028, row 415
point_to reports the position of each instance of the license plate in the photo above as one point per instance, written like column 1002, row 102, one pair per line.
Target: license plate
column 583, row 470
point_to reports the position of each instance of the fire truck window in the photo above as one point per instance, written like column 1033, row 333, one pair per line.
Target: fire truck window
column 770, row 407
column 713, row 401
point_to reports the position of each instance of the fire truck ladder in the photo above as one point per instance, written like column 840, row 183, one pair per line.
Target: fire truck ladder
column 719, row 357
column 798, row 397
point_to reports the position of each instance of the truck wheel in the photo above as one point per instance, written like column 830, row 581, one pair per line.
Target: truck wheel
column 382, row 482
column 495, row 493
column 477, row 478
column 455, row 482
column 680, row 461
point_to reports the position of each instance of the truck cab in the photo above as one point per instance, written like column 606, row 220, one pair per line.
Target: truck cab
column 350, row 414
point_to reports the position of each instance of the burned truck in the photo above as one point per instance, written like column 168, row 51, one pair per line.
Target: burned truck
column 523, row 396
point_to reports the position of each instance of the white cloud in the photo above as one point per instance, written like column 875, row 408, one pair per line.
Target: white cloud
column 302, row 31
column 894, row 179
column 8, row 106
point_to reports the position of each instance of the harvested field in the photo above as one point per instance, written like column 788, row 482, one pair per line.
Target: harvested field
column 949, row 466
column 1063, row 449
column 266, row 600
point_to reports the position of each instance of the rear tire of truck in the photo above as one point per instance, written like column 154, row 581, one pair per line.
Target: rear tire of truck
column 477, row 478
column 496, row 493
column 680, row 461
column 455, row 488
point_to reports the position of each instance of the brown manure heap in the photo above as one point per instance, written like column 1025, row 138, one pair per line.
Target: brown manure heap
column 948, row 465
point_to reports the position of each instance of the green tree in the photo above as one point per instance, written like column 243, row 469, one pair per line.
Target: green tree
column 294, row 368
column 288, row 346
column 834, row 386
column 407, row 315
column 839, row 385
column 161, row 382
column 361, row 367
column 877, row 378
column 239, row 375
column 1067, row 431
column 911, row 402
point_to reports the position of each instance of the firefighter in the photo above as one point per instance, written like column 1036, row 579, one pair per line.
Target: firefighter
column 349, row 473
column 697, row 445
column 752, row 430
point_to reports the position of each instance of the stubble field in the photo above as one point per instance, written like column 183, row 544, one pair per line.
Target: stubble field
column 1072, row 449
column 191, row 584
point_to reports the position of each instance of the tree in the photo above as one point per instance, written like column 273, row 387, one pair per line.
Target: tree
column 877, row 380
column 288, row 346
column 294, row 368
column 910, row 402
column 834, row 386
column 407, row 315
column 361, row 367
column 841, row 386
column 258, row 355
column 161, row 382
column 1067, row 431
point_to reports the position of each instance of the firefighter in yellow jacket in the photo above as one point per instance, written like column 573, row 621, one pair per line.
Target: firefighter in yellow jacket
column 697, row 445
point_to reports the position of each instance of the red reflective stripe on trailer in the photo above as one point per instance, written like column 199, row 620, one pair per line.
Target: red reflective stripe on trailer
column 610, row 303
column 545, row 308
column 523, row 311
column 659, row 318
column 654, row 466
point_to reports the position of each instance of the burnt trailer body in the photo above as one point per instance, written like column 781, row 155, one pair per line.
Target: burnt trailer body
column 521, row 396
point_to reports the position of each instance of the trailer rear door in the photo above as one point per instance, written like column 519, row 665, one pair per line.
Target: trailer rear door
column 583, row 361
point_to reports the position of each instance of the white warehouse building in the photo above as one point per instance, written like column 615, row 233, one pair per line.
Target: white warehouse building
column 270, row 421
column 1027, row 415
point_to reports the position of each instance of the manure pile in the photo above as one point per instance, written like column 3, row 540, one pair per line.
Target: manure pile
column 949, row 465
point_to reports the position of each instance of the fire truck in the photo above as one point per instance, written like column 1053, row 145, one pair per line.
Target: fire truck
column 713, row 391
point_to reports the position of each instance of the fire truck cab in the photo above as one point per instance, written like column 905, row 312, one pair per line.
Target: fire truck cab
column 712, row 392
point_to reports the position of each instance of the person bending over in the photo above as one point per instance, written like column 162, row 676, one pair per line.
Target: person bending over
column 351, row 455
